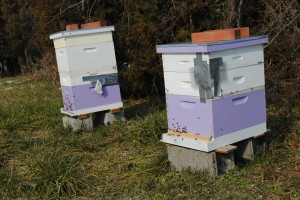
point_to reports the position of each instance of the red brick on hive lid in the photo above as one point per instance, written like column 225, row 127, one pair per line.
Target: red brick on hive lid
column 93, row 24
column 220, row 35
column 71, row 27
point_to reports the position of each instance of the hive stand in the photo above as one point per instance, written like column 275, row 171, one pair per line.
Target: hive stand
column 110, row 116
column 78, row 122
column 249, row 147
column 87, row 122
column 215, row 162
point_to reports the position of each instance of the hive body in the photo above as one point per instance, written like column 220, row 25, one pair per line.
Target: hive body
column 214, row 90
column 87, row 69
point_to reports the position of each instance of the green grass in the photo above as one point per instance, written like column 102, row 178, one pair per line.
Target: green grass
column 39, row 159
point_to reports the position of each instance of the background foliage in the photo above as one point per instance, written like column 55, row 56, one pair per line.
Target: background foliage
column 25, row 26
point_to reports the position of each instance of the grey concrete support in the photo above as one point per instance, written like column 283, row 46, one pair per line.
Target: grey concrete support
column 246, row 149
column 214, row 163
column 225, row 162
column 106, row 118
column 112, row 117
column 183, row 158
column 77, row 124
column 259, row 144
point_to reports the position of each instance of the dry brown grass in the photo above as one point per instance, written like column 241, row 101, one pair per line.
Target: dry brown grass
column 48, row 69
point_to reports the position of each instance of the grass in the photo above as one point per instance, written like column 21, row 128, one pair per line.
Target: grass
column 39, row 159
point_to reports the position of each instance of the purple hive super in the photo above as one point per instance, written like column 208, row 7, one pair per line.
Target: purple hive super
column 214, row 90
column 86, row 60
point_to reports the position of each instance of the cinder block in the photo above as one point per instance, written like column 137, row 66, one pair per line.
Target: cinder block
column 220, row 35
column 77, row 124
column 72, row 27
column 183, row 158
column 106, row 117
column 246, row 149
column 112, row 117
column 214, row 163
column 93, row 24
column 225, row 162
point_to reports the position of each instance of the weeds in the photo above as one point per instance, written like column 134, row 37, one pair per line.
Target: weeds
column 56, row 173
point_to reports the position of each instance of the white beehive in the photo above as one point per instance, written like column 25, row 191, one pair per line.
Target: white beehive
column 87, row 70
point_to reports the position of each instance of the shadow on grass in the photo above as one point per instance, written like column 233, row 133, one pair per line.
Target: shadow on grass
column 143, row 108
column 280, row 123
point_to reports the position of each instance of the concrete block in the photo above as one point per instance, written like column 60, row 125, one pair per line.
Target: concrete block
column 112, row 117
column 183, row 158
column 77, row 124
column 214, row 163
column 225, row 162
column 259, row 144
column 246, row 149
column 106, row 118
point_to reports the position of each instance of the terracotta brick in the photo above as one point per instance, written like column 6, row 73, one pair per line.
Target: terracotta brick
column 93, row 24
column 72, row 27
column 220, row 35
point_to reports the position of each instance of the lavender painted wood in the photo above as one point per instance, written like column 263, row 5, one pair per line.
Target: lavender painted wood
column 216, row 117
column 211, row 47
column 84, row 96
column 85, row 57
column 187, row 114
column 236, row 45
column 237, row 112
column 216, row 142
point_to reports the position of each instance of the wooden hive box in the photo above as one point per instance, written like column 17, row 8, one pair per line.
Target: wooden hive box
column 87, row 69
column 214, row 90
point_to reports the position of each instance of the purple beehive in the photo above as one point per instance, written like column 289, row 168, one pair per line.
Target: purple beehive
column 214, row 91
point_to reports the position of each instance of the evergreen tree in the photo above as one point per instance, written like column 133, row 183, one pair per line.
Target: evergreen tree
column 16, row 34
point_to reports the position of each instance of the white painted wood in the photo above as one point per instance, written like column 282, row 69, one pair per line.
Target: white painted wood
column 92, row 110
column 217, row 142
column 239, row 57
column 75, row 78
column 83, row 40
column 232, row 81
column 181, row 84
column 232, row 58
column 81, row 32
column 178, row 62
column 85, row 57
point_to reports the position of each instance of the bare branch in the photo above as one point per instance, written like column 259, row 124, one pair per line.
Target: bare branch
column 91, row 9
column 239, row 13
column 54, row 17
column 278, row 33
